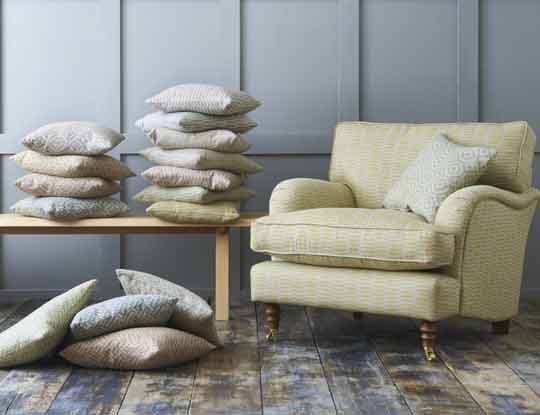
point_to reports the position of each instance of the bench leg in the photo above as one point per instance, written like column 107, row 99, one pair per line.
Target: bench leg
column 222, row 274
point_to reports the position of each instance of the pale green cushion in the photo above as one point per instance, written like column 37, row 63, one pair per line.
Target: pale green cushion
column 42, row 331
column 218, row 140
column 185, row 212
column 440, row 169
column 192, row 194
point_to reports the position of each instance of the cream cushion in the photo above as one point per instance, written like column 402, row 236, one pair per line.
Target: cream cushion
column 194, row 194
column 208, row 99
column 440, row 169
column 198, row 159
column 184, row 212
column 45, row 185
column 169, row 176
column 218, row 140
column 103, row 166
column 39, row 333
column 356, row 238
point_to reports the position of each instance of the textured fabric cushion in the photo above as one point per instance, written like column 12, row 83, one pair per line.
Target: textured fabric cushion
column 39, row 333
column 76, row 138
column 105, row 167
column 194, row 194
column 193, row 122
column 357, row 238
column 201, row 160
column 415, row 294
column 168, row 176
column 184, row 212
column 440, row 169
column 218, row 140
column 67, row 208
column 122, row 313
column 208, row 99
column 137, row 348
column 370, row 157
column 191, row 313
column 44, row 185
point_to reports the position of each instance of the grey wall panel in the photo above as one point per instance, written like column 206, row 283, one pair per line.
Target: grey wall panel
column 509, row 61
column 408, row 60
column 531, row 272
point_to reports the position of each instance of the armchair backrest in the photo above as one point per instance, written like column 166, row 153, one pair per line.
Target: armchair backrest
column 370, row 157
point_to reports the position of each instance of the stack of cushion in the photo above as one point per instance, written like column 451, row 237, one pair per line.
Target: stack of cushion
column 71, row 177
column 200, row 169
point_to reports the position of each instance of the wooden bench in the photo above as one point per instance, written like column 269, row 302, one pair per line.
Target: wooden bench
column 132, row 225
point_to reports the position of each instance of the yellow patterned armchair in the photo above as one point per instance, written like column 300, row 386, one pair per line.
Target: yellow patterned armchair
column 334, row 246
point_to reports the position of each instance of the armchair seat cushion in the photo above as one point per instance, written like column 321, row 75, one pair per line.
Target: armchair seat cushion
column 354, row 238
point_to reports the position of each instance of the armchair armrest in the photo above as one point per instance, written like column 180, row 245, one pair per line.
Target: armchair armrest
column 299, row 194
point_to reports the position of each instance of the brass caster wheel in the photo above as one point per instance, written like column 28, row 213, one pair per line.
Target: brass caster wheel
column 430, row 354
column 272, row 335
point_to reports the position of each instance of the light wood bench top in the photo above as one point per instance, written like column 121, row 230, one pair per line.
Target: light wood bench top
column 125, row 224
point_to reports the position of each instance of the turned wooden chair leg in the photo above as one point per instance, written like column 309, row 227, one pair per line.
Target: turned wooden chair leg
column 272, row 321
column 358, row 315
column 500, row 327
column 428, row 334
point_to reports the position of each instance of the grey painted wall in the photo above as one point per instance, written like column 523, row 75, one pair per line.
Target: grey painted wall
column 312, row 62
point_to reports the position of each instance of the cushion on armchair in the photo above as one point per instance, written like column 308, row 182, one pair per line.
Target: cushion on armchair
column 356, row 238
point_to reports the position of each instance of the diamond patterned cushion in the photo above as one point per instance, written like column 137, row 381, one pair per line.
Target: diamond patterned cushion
column 122, row 313
column 38, row 334
column 44, row 185
column 191, row 313
column 440, row 169
column 138, row 348
column 354, row 237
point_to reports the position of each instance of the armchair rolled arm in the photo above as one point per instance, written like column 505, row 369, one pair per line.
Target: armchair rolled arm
column 298, row 194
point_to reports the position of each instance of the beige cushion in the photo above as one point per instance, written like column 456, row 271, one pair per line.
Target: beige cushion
column 69, row 208
column 137, row 348
column 183, row 212
column 168, row 176
column 440, row 169
column 104, row 166
column 39, row 333
column 194, row 194
column 357, row 238
column 201, row 160
column 218, row 140
column 370, row 157
column 76, row 138
column 44, row 185
column 208, row 99
column 193, row 122
column 191, row 312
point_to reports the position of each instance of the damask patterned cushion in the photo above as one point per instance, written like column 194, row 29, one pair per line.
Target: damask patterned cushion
column 191, row 314
column 122, row 313
column 208, row 99
column 218, row 140
column 194, row 194
column 193, row 122
column 68, row 208
column 75, row 138
column 104, row 166
column 440, row 169
column 201, row 160
column 168, row 176
column 39, row 333
column 138, row 348
column 184, row 212
column 44, row 185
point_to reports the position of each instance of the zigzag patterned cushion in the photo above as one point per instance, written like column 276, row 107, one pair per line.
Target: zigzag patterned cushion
column 122, row 313
column 137, row 348
column 191, row 314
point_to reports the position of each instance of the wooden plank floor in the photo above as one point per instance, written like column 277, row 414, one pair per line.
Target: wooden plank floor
column 324, row 362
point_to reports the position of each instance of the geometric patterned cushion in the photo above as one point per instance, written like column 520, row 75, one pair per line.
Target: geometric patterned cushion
column 137, row 348
column 169, row 176
column 39, row 333
column 185, row 212
column 218, row 140
column 191, row 313
column 354, row 238
column 76, row 138
column 208, row 99
column 122, row 313
column 44, row 185
column 440, row 169
column 192, row 194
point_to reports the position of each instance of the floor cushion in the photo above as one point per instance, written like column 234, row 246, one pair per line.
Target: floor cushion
column 356, row 238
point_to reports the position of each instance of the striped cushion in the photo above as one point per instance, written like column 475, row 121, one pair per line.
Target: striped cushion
column 357, row 238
